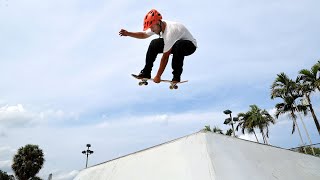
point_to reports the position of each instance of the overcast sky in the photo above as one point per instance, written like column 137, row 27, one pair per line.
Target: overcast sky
column 65, row 74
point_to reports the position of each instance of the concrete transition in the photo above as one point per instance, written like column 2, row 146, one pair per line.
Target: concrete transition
column 207, row 156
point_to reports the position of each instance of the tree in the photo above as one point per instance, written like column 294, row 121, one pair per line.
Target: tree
column 27, row 162
column 256, row 118
column 310, row 82
column 216, row 129
column 5, row 176
column 312, row 151
column 285, row 88
column 229, row 132
column 264, row 121
column 207, row 129
column 312, row 76
column 289, row 91
column 245, row 125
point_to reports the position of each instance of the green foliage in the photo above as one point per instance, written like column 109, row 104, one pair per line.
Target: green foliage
column 311, row 77
column 289, row 91
column 255, row 118
column 27, row 162
column 229, row 132
column 5, row 176
column 309, row 151
column 310, row 82
column 216, row 129
column 207, row 129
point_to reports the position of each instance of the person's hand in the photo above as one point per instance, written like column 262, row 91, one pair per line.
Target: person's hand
column 123, row 32
column 157, row 79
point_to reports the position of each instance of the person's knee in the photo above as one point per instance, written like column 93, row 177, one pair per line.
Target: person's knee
column 156, row 43
column 183, row 47
column 177, row 50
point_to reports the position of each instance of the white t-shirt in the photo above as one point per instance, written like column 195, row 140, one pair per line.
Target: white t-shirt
column 174, row 31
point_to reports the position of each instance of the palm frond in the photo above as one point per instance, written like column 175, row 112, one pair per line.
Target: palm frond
column 315, row 68
column 306, row 74
column 207, row 128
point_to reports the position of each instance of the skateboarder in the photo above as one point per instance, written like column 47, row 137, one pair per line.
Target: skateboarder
column 174, row 38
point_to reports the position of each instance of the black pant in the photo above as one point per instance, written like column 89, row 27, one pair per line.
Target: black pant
column 180, row 49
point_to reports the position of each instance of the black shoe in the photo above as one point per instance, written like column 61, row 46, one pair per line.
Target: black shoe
column 144, row 75
column 176, row 79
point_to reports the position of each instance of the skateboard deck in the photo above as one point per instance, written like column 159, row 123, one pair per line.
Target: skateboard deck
column 144, row 81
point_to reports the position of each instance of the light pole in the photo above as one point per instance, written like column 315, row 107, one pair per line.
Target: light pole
column 228, row 120
column 87, row 152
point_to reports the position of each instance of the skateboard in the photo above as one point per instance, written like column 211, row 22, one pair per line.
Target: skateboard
column 144, row 81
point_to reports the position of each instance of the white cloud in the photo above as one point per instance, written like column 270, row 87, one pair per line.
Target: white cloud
column 57, row 115
column 18, row 116
column 200, row 117
column 6, row 155
column 272, row 111
column 5, row 150
column 12, row 116
column 5, row 164
column 283, row 119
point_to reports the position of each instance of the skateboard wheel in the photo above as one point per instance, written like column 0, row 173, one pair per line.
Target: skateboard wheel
column 140, row 83
column 146, row 83
column 175, row 87
column 171, row 87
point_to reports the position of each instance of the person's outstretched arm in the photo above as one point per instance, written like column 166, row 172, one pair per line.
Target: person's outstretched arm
column 138, row 35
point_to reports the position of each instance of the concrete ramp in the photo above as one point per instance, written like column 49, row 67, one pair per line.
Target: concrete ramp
column 207, row 156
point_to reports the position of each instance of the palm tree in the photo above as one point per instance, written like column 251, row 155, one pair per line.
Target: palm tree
column 289, row 91
column 245, row 125
column 256, row 118
column 264, row 121
column 310, row 81
column 229, row 132
column 216, row 129
column 286, row 89
column 283, row 86
column 312, row 76
column 287, row 107
column 27, row 162
column 207, row 129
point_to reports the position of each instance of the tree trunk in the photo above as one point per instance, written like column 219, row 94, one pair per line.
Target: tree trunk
column 295, row 122
column 304, row 126
column 313, row 114
column 262, row 134
column 256, row 136
column 267, row 140
column 264, row 137
column 264, row 141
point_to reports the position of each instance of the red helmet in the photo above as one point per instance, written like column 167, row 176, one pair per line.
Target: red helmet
column 151, row 17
